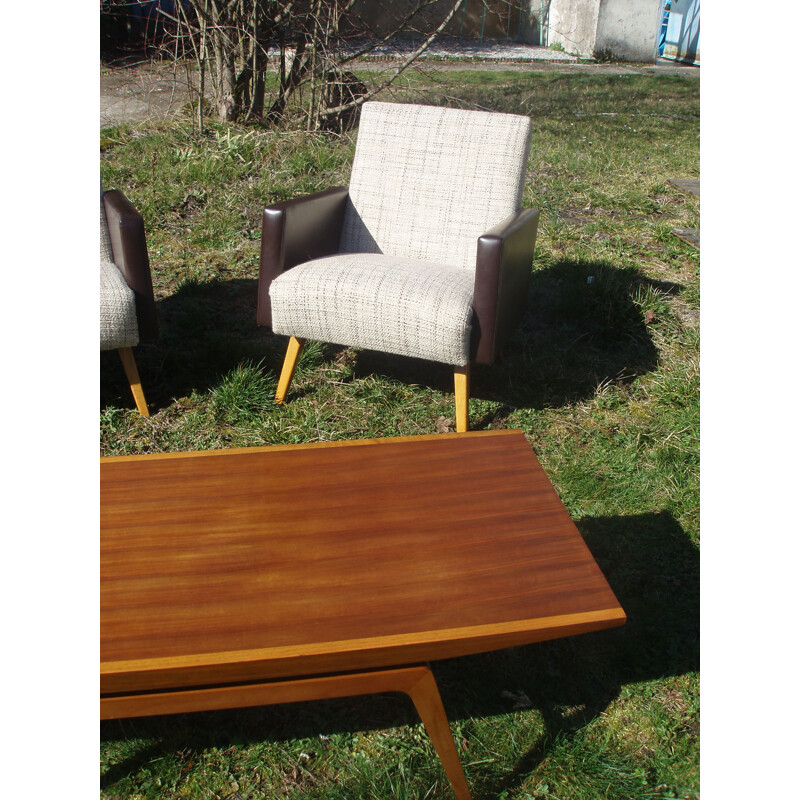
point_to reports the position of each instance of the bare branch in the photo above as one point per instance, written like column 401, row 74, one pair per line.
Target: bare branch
column 393, row 32
column 228, row 40
column 400, row 69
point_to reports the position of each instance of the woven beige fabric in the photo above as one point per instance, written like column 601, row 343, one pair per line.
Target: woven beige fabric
column 118, row 324
column 106, row 253
column 427, row 182
column 395, row 305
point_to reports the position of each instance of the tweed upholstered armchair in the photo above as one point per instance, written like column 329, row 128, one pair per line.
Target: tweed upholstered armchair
column 127, row 304
column 426, row 253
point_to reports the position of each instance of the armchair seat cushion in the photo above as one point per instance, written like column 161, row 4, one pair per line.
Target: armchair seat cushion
column 388, row 303
column 118, row 324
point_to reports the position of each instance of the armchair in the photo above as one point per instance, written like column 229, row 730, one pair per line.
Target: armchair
column 426, row 253
column 127, row 304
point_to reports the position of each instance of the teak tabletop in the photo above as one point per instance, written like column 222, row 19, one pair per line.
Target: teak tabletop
column 231, row 578
column 263, row 563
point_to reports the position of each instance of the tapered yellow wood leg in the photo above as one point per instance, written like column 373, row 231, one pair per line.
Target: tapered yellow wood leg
column 428, row 702
column 132, row 374
column 289, row 366
column 462, row 398
column 416, row 681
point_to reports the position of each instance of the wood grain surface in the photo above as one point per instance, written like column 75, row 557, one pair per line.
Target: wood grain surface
column 262, row 563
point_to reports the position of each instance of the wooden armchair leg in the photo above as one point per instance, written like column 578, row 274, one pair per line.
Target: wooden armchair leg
column 289, row 365
column 462, row 398
column 129, row 365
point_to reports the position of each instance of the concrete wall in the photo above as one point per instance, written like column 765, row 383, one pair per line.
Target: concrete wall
column 573, row 25
column 629, row 28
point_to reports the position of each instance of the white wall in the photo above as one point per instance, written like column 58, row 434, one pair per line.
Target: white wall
column 573, row 25
column 629, row 28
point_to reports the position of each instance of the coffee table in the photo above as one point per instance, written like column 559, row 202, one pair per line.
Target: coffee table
column 232, row 578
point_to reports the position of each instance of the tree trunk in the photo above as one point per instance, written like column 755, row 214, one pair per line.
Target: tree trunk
column 259, row 65
column 232, row 31
column 300, row 65
column 226, row 76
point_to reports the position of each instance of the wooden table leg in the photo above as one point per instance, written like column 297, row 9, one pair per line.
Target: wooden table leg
column 428, row 702
column 416, row 681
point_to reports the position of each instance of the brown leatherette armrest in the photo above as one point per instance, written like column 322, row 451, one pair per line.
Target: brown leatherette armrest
column 296, row 231
column 502, row 273
column 129, row 246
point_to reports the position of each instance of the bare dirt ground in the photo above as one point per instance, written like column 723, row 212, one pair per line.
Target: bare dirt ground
column 142, row 90
column 137, row 92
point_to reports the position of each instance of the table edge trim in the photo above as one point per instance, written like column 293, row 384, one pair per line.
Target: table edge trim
column 610, row 616
column 272, row 448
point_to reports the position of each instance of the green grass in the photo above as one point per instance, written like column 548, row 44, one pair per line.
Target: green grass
column 602, row 376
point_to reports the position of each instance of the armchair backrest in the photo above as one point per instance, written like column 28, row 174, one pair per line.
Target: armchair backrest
column 427, row 181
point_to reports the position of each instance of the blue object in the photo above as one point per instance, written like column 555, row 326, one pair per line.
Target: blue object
column 662, row 38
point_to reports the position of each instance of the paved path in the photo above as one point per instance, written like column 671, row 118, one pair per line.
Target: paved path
column 136, row 92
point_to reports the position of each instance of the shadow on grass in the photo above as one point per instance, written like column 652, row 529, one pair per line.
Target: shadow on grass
column 206, row 329
column 576, row 334
column 581, row 329
column 654, row 569
column 651, row 565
